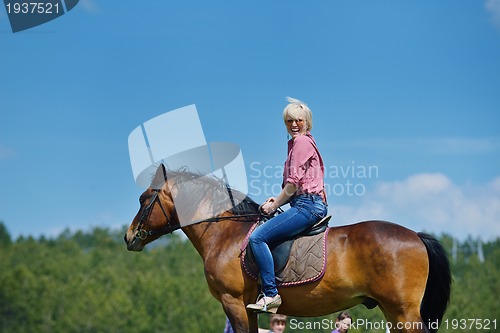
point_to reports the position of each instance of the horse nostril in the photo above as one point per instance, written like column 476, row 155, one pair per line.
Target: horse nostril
column 125, row 238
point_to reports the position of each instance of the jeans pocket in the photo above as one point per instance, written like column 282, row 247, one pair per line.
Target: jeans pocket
column 319, row 210
column 301, row 202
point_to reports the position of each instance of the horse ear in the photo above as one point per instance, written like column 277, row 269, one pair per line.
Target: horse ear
column 160, row 177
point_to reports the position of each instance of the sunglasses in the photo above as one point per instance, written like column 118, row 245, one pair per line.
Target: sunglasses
column 298, row 121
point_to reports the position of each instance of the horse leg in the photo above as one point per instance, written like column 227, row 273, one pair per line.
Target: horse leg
column 241, row 320
column 404, row 319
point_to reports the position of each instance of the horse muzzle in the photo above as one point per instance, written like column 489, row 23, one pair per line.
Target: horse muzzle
column 133, row 243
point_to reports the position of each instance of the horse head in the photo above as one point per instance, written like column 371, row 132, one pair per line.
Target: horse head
column 156, row 215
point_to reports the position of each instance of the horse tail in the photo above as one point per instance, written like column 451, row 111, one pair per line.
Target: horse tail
column 438, row 288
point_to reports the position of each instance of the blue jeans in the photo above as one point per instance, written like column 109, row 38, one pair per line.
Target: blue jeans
column 305, row 210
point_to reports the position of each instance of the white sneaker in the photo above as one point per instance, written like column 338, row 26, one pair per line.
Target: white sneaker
column 266, row 304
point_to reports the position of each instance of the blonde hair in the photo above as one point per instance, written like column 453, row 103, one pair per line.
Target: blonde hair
column 294, row 108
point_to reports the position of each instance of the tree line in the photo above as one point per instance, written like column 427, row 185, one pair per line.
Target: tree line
column 88, row 282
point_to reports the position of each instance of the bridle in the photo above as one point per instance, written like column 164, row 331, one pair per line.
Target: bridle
column 170, row 227
column 146, row 212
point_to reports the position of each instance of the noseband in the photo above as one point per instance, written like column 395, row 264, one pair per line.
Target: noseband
column 146, row 213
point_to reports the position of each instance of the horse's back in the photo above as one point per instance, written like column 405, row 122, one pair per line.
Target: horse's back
column 375, row 253
column 373, row 234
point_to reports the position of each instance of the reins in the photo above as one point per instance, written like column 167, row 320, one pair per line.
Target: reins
column 233, row 217
column 170, row 227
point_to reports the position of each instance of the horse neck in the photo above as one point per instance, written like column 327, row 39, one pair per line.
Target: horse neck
column 202, row 237
column 216, row 236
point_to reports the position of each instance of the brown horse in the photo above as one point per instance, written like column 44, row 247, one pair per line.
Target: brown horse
column 373, row 263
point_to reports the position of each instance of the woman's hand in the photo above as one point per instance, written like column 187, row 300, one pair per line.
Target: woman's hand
column 269, row 207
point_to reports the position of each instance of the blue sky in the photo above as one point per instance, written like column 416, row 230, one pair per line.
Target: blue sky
column 410, row 89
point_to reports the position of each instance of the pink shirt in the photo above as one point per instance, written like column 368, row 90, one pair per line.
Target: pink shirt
column 304, row 166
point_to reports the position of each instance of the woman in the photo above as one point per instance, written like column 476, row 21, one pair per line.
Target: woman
column 303, row 188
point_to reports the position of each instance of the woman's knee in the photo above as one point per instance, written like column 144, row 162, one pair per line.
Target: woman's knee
column 255, row 238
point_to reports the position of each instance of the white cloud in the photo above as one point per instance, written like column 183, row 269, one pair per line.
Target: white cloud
column 461, row 145
column 438, row 145
column 493, row 6
column 432, row 203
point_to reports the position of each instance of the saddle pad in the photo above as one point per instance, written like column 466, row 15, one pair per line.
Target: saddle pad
column 306, row 263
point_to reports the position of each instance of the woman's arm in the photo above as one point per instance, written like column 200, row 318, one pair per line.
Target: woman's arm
column 272, row 204
column 302, row 151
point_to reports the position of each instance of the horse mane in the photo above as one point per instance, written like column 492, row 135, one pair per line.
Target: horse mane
column 194, row 188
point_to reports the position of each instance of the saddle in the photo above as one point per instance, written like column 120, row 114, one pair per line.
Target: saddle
column 298, row 260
